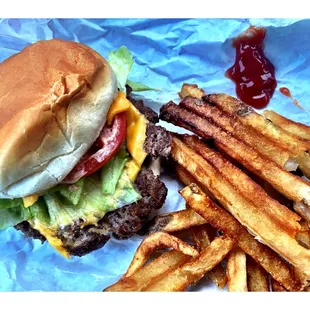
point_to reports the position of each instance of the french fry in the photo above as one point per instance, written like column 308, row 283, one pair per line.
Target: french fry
column 201, row 237
column 242, row 208
column 265, row 205
column 175, row 221
column 257, row 276
column 298, row 129
column 194, row 269
column 222, row 220
column 276, row 286
column 298, row 147
column 151, row 272
column 236, row 271
column 286, row 183
column 158, row 240
column 248, row 135
column 303, row 236
column 191, row 90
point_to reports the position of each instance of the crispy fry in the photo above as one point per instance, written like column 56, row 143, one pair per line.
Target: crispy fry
column 248, row 135
column 191, row 90
column 175, row 221
column 194, row 269
column 276, row 286
column 303, row 236
column 236, row 271
column 201, row 237
column 249, row 117
column 186, row 178
column 154, row 242
column 257, row 276
column 222, row 220
column 286, row 183
column 149, row 273
column 265, row 205
column 298, row 129
column 241, row 207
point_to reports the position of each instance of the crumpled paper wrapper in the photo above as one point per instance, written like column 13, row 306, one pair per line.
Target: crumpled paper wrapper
column 167, row 54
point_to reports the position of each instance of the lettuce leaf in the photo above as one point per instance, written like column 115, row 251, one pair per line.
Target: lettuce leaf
column 121, row 62
column 112, row 171
column 93, row 204
column 12, row 212
column 136, row 86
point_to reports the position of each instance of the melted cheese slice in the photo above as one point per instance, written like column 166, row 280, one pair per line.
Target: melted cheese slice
column 30, row 200
column 50, row 235
column 136, row 133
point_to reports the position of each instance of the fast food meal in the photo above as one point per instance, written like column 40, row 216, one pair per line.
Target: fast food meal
column 75, row 147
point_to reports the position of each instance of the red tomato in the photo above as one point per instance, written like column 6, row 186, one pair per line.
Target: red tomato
column 104, row 148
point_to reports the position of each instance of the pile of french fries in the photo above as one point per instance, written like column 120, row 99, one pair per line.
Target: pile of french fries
column 247, row 216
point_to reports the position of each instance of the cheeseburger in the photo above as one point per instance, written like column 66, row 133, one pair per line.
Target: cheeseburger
column 74, row 149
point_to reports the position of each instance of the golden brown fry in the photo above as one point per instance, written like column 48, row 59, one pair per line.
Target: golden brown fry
column 175, row 221
column 201, row 237
column 153, row 242
column 149, row 273
column 222, row 220
column 298, row 129
column 289, row 185
column 303, row 236
column 191, row 90
column 257, row 277
column 249, row 117
column 248, row 135
column 194, row 269
column 241, row 207
column 236, row 271
column 265, row 205
column 276, row 286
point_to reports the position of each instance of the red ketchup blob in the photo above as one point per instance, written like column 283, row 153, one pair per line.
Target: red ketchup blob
column 252, row 72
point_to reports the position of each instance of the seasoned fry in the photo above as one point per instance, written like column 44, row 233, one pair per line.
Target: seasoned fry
column 149, row 273
column 248, row 135
column 158, row 240
column 286, row 183
column 236, row 271
column 191, row 90
column 200, row 235
column 222, row 220
column 241, row 207
column 298, row 129
column 175, row 221
column 276, row 286
column 249, row 117
column 265, row 205
column 257, row 276
column 194, row 269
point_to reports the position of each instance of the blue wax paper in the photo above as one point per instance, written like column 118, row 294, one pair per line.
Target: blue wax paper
column 167, row 54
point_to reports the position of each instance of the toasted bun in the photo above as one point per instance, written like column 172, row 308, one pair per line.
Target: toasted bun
column 54, row 99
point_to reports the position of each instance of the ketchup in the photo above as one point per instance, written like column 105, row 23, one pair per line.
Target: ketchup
column 252, row 72
column 286, row 92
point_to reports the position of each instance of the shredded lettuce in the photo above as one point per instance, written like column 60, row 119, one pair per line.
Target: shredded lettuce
column 112, row 171
column 12, row 212
column 121, row 62
column 88, row 199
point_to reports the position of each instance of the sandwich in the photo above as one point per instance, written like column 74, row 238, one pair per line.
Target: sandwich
column 78, row 155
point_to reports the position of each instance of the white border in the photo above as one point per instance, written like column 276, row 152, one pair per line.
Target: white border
column 153, row 8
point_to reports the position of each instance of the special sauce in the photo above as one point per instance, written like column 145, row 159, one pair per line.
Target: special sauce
column 252, row 72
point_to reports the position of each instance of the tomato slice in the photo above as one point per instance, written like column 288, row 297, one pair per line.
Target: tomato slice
column 104, row 148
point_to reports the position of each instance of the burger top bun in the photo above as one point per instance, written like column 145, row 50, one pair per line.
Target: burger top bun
column 54, row 99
